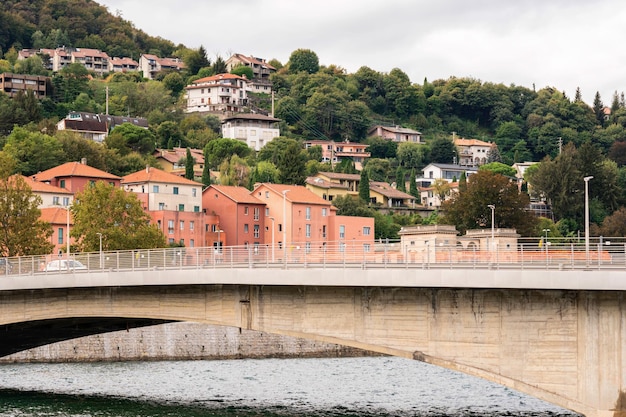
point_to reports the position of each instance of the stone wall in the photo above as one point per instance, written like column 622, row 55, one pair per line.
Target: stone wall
column 180, row 341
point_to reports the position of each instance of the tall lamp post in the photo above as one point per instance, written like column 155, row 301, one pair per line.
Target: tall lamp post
column 285, row 224
column 586, row 179
column 67, row 209
column 493, row 221
column 272, row 219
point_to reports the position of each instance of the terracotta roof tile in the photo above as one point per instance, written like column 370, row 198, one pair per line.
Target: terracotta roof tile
column 73, row 169
column 296, row 194
column 237, row 194
column 152, row 174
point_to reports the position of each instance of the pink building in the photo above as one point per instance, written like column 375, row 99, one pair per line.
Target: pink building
column 241, row 216
column 335, row 152
column 75, row 176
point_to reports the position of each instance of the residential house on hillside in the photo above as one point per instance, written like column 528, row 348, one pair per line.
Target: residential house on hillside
column 75, row 176
column 219, row 93
column 431, row 198
column 305, row 220
column 172, row 160
column 396, row 134
column 123, row 65
column 472, row 152
column 150, row 65
column 173, row 202
column 96, row 127
column 385, row 195
column 12, row 84
column 92, row 59
column 242, row 219
column 260, row 82
column 254, row 129
column 335, row 152
column 330, row 185
column 448, row 172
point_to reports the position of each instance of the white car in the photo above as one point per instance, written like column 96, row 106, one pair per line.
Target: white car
column 65, row 265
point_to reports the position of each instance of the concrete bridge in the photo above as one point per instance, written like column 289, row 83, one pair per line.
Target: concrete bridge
column 554, row 330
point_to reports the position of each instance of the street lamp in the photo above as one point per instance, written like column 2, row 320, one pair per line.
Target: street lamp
column 586, row 179
column 493, row 220
column 285, row 224
column 272, row 219
column 100, row 251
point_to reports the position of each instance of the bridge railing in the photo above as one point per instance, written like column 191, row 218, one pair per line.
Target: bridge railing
column 354, row 254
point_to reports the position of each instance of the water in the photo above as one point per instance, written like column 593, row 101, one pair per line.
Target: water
column 370, row 386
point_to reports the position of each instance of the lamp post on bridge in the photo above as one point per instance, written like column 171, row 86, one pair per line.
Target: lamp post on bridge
column 493, row 220
column 100, row 248
column 285, row 225
column 586, row 179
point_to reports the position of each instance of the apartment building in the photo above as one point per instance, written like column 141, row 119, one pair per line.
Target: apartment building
column 173, row 202
column 75, row 176
column 150, row 65
column 225, row 93
column 335, row 152
column 254, row 129
column 12, row 84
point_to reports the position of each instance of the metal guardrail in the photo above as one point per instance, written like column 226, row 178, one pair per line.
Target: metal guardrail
column 332, row 255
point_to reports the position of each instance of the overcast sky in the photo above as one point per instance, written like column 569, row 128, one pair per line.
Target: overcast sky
column 559, row 43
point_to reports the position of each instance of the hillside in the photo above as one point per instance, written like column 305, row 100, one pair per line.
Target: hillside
column 78, row 23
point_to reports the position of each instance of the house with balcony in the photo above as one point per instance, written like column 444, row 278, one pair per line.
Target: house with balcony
column 242, row 217
column 335, row 152
column 472, row 152
column 150, row 65
column 430, row 197
column 448, row 172
column 123, row 65
column 304, row 221
column 174, row 204
column 330, row 185
column 92, row 59
column 75, row 176
column 396, row 134
column 173, row 160
column 254, row 129
column 221, row 93
column 96, row 127
column 12, row 84
column 260, row 82
column 384, row 195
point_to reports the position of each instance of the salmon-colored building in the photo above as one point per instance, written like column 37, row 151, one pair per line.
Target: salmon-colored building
column 304, row 220
column 75, row 176
column 173, row 202
column 241, row 216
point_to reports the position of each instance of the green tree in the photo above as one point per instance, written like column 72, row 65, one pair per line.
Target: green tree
column 291, row 165
column 411, row 155
column 116, row 214
column 127, row 138
column 470, row 209
column 23, row 232
column 303, row 60
column 413, row 190
column 219, row 150
column 498, row 168
column 243, row 70
column 33, row 151
column 364, row 187
column 442, row 151
column 189, row 163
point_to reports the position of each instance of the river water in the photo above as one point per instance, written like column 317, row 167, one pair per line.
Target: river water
column 365, row 386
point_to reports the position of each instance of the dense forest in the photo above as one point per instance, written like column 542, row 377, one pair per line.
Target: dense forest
column 572, row 138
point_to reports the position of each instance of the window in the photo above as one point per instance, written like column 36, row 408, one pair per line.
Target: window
column 342, row 231
column 308, row 230
column 55, row 200
column 366, row 231
column 366, row 247
column 66, row 201
column 267, row 211
column 175, row 190
column 245, row 210
column 194, row 192
column 181, row 225
column 245, row 228
column 192, row 225
column 181, row 207
column 256, row 231
column 155, row 188
column 60, row 237
column 267, row 194
column 62, row 183
column 256, row 213
column 192, row 243
column 280, row 227
column 324, row 209
column 307, row 247
column 308, row 213
column 324, row 231
column 170, row 227
column 161, row 206
column 196, row 209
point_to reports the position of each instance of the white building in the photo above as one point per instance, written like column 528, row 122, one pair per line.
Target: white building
column 218, row 93
column 151, row 65
column 254, row 129
column 448, row 172
column 472, row 152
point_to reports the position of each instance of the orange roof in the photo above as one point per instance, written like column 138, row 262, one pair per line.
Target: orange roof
column 218, row 77
column 55, row 215
column 237, row 194
column 471, row 142
column 295, row 194
column 73, row 169
column 42, row 187
column 152, row 174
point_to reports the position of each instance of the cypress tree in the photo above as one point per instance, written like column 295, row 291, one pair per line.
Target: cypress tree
column 413, row 185
column 189, row 162
column 364, row 187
